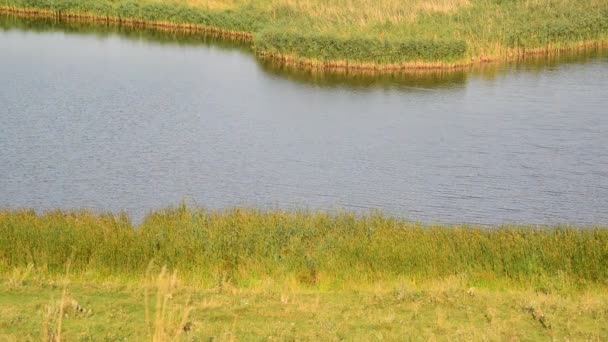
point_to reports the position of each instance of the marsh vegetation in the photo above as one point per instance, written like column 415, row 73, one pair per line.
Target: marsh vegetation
column 248, row 275
column 247, row 248
column 362, row 34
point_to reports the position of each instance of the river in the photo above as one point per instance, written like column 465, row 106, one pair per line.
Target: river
column 136, row 121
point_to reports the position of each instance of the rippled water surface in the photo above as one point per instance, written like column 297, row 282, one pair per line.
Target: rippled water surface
column 137, row 122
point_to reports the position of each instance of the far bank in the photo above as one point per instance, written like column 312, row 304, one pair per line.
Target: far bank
column 383, row 36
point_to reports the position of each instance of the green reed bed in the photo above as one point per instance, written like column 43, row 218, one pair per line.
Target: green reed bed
column 147, row 11
column 384, row 34
column 382, row 52
column 247, row 247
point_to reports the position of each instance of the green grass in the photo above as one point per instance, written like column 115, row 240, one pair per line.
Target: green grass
column 258, row 275
column 385, row 34
column 445, row 310
column 246, row 248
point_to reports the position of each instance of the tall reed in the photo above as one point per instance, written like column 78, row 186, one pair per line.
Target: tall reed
column 247, row 247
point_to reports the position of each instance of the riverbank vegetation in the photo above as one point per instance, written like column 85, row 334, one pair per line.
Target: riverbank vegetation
column 247, row 248
column 361, row 34
column 248, row 274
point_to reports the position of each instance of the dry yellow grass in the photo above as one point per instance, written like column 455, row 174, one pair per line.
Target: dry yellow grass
column 366, row 12
column 210, row 4
column 362, row 12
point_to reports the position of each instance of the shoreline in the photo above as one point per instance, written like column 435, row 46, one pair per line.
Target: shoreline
column 92, row 19
column 343, row 66
column 309, row 249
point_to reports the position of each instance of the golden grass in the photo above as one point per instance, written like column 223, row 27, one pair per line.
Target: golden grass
column 170, row 321
column 361, row 12
column 364, row 13
column 209, row 4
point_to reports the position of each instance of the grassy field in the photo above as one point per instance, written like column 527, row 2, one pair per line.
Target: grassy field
column 194, row 274
column 363, row 34
column 444, row 310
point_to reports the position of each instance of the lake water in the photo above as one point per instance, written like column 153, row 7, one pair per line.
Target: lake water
column 137, row 121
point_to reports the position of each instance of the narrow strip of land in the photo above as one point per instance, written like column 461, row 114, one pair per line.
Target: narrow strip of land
column 355, row 35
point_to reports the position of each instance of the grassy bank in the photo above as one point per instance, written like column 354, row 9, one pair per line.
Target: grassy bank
column 251, row 275
column 247, row 248
column 361, row 34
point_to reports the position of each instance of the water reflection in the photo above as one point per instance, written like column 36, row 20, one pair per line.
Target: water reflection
column 164, row 37
column 411, row 79
column 420, row 79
